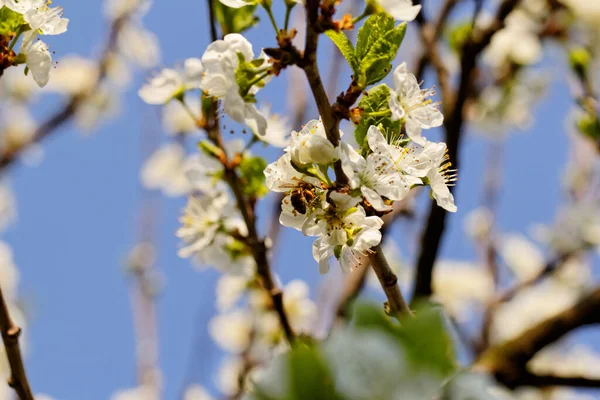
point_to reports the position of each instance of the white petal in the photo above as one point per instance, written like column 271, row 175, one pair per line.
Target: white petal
column 39, row 62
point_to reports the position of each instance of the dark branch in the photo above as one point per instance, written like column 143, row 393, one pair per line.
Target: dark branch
column 10, row 336
column 436, row 223
column 508, row 361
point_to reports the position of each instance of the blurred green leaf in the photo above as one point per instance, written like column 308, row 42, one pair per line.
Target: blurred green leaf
column 427, row 340
column 424, row 337
column 252, row 174
column 234, row 20
column 310, row 377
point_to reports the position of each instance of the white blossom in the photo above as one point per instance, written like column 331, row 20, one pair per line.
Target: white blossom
column 278, row 129
column 196, row 392
column 136, row 393
column 226, row 253
column 402, row 10
column 517, row 42
column 411, row 105
column 304, row 194
column 204, row 171
column 102, row 102
column 18, row 127
column 9, row 274
column 221, row 63
column 237, row 3
column 311, row 145
column 230, row 288
column 344, row 230
column 164, row 170
column 201, row 220
column 578, row 361
column 521, row 256
column 17, row 87
column 120, row 8
column 74, row 75
column 39, row 62
column 229, row 373
column 41, row 18
column 458, row 285
column 232, row 331
column 299, row 308
column 176, row 119
column 478, row 223
column 171, row 83
column 440, row 176
column 139, row 45
column 531, row 307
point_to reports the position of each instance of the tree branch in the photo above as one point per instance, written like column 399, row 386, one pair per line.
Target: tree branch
column 10, row 337
column 508, row 361
column 453, row 125
column 554, row 380
column 389, row 282
column 256, row 244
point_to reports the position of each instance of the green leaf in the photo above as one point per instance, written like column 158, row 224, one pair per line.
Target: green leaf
column 252, row 174
column 373, row 29
column 376, row 100
column 234, row 20
column 427, row 340
column 424, row 337
column 310, row 377
column 346, row 48
column 381, row 51
column 10, row 21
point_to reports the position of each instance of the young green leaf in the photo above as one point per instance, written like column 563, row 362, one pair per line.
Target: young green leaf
column 373, row 29
column 377, row 62
column 346, row 48
column 235, row 20
column 375, row 111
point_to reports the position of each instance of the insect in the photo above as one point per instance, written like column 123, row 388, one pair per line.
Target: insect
column 301, row 198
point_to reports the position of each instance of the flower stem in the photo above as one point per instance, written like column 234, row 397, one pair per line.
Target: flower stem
column 272, row 19
column 253, row 82
column 288, row 12
column 16, row 38
column 187, row 108
column 366, row 12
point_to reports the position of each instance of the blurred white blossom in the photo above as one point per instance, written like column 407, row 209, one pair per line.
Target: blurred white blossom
column 164, row 170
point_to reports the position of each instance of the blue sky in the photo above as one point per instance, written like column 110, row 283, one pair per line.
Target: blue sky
column 77, row 214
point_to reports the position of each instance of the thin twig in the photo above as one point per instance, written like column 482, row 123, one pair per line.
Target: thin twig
column 10, row 336
column 439, row 26
column 453, row 125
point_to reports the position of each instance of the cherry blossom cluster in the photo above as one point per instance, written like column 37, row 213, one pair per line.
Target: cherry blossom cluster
column 37, row 18
column 215, row 74
column 347, row 221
